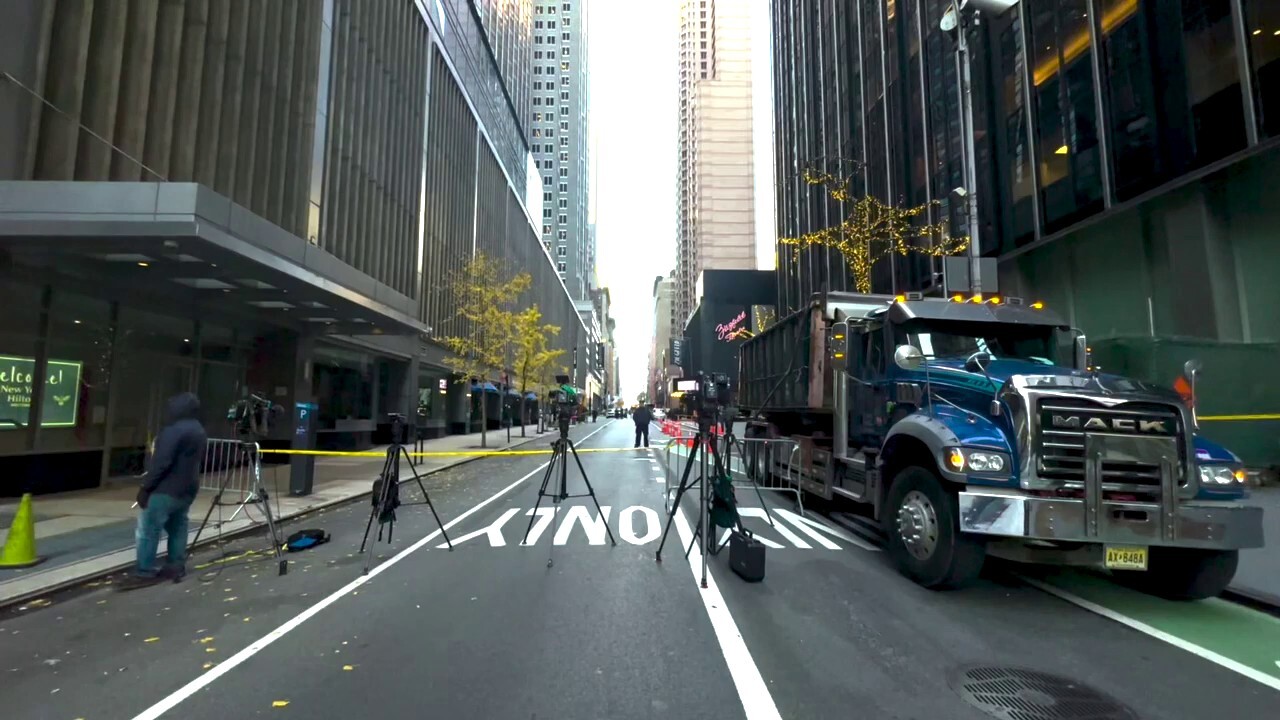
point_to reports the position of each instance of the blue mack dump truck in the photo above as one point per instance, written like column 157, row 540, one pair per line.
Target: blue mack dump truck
column 971, row 427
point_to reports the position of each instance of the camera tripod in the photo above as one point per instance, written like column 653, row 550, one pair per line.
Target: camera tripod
column 386, row 496
column 706, row 444
column 561, row 448
column 257, row 495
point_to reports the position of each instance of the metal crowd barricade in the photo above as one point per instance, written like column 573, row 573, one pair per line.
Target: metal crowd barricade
column 766, row 464
column 233, row 470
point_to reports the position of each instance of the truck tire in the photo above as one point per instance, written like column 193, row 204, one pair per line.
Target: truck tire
column 924, row 538
column 1183, row 573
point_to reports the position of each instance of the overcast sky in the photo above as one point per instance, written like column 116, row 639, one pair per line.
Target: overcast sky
column 634, row 124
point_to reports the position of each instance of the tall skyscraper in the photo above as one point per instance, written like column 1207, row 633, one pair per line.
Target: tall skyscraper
column 664, row 324
column 716, row 204
column 558, row 137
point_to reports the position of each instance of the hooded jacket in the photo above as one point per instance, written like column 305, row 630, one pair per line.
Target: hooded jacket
column 642, row 416
column 174, row 469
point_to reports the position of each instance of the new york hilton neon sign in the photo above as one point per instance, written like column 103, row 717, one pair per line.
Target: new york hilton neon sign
column 728, row 331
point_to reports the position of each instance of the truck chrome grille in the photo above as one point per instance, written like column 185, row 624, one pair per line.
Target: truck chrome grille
column 1059, row 443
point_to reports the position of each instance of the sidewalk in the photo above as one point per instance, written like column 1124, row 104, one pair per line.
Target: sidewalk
column 91, row 532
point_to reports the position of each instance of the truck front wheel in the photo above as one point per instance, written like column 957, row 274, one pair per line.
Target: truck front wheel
column 924, row 535
column 1184, row 573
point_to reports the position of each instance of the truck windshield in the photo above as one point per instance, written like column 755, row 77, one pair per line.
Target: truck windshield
column 1004, row 342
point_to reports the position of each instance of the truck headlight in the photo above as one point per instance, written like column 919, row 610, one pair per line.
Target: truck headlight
column 978, row 461
column 1220, row 475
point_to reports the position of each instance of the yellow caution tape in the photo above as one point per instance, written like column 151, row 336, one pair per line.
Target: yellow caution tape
column 441, row 453
column 1212, row 418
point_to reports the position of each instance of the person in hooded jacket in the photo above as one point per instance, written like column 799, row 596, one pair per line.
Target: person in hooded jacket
column 168, row 488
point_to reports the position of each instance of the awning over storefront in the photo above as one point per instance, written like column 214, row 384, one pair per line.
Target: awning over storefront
column 488, row 387
column 184, row 243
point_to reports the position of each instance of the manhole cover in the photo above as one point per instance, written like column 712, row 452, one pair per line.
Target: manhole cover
column 1019, row 694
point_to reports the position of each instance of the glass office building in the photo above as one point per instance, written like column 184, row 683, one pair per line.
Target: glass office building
column 230, row 197
column 1123, row 149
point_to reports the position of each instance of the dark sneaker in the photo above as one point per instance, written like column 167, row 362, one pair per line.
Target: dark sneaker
column 137, row 582
column 174, row 572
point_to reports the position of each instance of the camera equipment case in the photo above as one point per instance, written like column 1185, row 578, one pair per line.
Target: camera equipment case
column 746, row 556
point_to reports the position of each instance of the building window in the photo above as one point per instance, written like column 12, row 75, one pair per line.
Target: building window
column 564, row 155
column 537, row 39
column 551, row 10
column 564, row 125
column 1066, row 120
column 564, row 79
column 1172, row 89
column 547, row 165
column 537, row 54
column 565, row 7
column 564, row 203
column 537, row 70
column 564, row 187
column 564, row 172
column 546, row 229
column 537, row 100
column 564, row 142
column 546, row 213
column 537, row 132
column 546, row 180
column 562, row 234
column 562, row 251
column 560, row 267
column 564, row 219
column 551, row 70
column 546, row 197
column 568, row 22
column 564, row 37
column 564, row 67
column 564, row 95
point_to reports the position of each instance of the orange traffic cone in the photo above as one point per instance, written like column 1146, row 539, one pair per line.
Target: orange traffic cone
column 20, row 547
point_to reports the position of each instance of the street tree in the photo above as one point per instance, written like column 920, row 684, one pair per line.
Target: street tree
column 532, row 358
column 873, row 230
column 485, row 291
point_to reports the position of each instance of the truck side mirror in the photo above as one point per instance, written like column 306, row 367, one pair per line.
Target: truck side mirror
column 1191, row 370
column 908, row 357
column 1083, row 355
column 838, row 346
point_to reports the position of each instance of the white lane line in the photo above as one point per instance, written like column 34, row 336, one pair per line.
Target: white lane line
column 257, row 646
column 1213, row 657
column 757, row 703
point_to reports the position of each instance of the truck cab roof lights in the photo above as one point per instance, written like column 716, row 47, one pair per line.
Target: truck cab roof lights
column 1037, row 305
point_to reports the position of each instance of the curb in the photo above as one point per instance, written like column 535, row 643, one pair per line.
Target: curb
column 1255, row 599
column 7, row 603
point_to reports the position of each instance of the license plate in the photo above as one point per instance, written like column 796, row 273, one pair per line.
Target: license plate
column 1126, row 558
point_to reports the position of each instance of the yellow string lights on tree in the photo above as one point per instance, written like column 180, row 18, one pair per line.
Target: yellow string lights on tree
column 874, row 230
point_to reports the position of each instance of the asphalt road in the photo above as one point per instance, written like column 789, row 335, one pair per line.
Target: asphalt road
column 488, row 630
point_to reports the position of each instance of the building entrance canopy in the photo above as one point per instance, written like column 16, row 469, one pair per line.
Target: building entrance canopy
column 183, row 243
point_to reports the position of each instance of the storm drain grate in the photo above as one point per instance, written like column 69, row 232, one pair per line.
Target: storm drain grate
column 1011, row 693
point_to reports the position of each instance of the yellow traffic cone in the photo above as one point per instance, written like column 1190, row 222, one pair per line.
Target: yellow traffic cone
column 20, row 547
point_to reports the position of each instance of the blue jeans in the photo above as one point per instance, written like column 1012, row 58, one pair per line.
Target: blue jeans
column 167, row 513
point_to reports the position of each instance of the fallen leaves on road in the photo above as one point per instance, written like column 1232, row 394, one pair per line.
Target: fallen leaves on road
column 205, row 640
column 151, row 639
column 280, row 703
column 348, row 667
column 211, row 649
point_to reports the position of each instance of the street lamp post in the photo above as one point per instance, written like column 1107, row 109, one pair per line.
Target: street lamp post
column 954, row 23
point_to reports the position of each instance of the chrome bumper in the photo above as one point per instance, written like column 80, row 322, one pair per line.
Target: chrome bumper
column 1191, row 524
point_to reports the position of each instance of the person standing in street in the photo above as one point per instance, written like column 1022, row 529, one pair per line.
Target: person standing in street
column 642, row 417
column 168, row 488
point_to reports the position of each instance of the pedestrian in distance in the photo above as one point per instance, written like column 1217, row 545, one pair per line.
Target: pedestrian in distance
column 169, row 486
column 642, row 417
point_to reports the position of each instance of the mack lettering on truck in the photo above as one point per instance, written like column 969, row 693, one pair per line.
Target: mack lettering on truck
column 1120, row 424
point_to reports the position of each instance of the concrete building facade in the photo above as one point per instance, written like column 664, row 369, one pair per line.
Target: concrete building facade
column 558, row 137
column 716, row 209
column 664, row 328
column 237, row 198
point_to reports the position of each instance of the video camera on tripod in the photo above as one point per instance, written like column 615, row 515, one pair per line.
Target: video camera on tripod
column 252, row 417
column 705, row 393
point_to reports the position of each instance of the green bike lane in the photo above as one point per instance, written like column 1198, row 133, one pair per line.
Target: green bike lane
column 1230, row 635
column 1237, row 637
